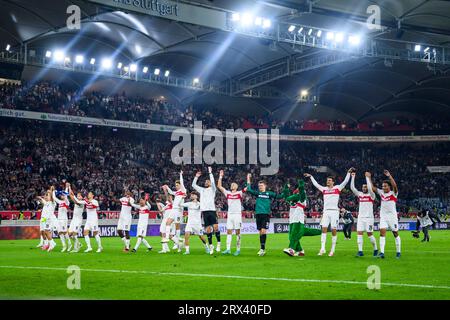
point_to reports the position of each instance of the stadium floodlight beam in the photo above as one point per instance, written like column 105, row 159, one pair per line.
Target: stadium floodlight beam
column 92, row 61
column 310, row 32
column 157, row 72
column 426, row 49
column 300, row 30
column 354, row 40
column 417, row 48
column 267, row 23
column 235, row 17
column 319, row 33
column 79, row 59
column 106, row 63
column 291, row 28
column 8, row 46
column 166, row 74
column 196, row 80
column 133, row 67
column 67, row 59
column 247, row 19
column 119, row 65
column 145, row 69
column 126, row 68
column 58, row 56
column 48, row 54
column 330, row 35
column 258, row 21
column 339, row 37
column 304, row 93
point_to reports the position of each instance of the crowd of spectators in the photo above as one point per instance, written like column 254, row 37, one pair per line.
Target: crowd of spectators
column 54, row 98
column 37, row 154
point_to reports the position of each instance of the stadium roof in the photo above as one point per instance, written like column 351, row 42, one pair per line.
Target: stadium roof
column 357, row 89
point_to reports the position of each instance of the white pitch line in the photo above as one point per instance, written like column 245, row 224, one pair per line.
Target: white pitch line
column 411, row 285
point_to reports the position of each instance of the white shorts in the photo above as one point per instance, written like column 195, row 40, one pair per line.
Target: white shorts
column 389, row 222
column 175, row 215
column 91, row 226
column 141, row 231
column 365, row 225
column 234, row 221
column 75, row 225
column 330, row 217
column 124, row 222
column 194, row 229
column 62, row 225
column 45, row 224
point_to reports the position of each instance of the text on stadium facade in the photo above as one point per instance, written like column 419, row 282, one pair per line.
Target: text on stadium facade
column 161, row 7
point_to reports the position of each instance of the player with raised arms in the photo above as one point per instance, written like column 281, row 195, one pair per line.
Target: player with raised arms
column 365, row 222
column 62, row 222
column 165, row 210
column 388, row 211
column 330, row 209
column 208, row 208
column 48, row 220
column 234, row 214
column 77, row 218
column 176, row 213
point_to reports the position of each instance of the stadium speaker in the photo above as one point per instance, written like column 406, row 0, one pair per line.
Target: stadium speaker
column 10, row 71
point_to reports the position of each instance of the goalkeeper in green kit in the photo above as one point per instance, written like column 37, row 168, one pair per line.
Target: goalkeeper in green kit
column 297, row 229
column 262, row 209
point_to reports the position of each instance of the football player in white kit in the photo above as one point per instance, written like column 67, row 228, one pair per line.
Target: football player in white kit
column 365, row 214
column 388, row 211
column 77, row 218
column 144, row 211
column 48, row 220
column 176, row 213
column 330, row 209
column 194, row 222
column 92, row 223
column 165, row 210
column 124, row 224
column 234, row 214
column 62, row 222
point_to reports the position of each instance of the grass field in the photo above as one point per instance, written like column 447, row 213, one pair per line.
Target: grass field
column 423, row 272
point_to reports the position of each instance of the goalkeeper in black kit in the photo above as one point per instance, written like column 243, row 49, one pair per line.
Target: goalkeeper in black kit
column 262, row 208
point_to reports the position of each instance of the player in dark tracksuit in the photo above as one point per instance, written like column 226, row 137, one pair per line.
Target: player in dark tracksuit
column 347, row 217
column 262, row 208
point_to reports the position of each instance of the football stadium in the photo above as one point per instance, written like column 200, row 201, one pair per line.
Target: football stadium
column 224, row 150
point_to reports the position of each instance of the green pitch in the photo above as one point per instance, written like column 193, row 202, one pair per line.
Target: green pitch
column 421, row 273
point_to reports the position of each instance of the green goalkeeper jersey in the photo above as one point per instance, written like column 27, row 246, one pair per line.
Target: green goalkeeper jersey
column 264, row 199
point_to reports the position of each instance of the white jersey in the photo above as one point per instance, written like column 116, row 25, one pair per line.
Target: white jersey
column 331, row 195
column 48, row 209
column 168, row 207
column 78, row 209
column 144, row 213
column 297, row 212
column 365, row 200
column 91, row 209
column 234, row 200
column 388, row 205
column 194, row 213
column 127, row 203
column 207, row 195
column 63, row 207
column 179, row 196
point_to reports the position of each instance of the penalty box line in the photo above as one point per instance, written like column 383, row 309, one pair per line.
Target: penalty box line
column 390, row 284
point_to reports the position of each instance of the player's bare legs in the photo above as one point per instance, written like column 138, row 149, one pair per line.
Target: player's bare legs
column 323, row 241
